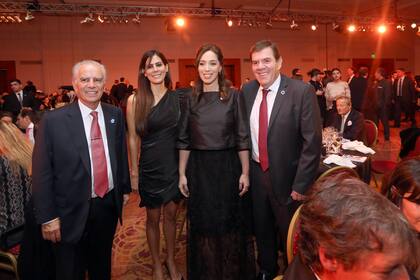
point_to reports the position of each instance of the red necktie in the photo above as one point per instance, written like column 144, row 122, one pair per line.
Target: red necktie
column 262, row 131
column 100, row 172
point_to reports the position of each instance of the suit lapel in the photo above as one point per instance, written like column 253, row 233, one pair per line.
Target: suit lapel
column 250, row 98
column 279, row 101
column 110, row 126
column 77, row 130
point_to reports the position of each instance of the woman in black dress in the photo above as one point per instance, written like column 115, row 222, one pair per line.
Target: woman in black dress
column 214, row 143
column 152, row 118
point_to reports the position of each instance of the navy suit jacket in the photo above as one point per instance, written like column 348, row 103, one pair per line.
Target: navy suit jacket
column 354, row 128
column 61, row 168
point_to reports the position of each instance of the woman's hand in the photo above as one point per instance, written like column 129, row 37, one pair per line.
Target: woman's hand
column 134, row 178
column 243, row 184
column 183, row 187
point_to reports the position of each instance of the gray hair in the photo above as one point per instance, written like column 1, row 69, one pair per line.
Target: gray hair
column 345, row 98
column 79, row 64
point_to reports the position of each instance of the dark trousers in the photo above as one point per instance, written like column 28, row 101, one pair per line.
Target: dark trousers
column 408, row 108
column 93, row 252
column 271, row 219
column 382, row 115
column 397, row 110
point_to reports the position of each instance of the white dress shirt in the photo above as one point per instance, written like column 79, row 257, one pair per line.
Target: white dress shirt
column 19, row 96
column 29, row 131
column 255, row 115
column 87, row 122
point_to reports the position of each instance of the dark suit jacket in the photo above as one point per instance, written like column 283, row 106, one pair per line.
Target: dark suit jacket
column 354, row 128
column 383, row 94
column 297, row 270
column 12, row 104
column 294, row 135
column 409, row 94
column 358, row 87
column 62, row 172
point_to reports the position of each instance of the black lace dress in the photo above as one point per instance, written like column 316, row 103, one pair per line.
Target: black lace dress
column 220, row 244
column 158, row 178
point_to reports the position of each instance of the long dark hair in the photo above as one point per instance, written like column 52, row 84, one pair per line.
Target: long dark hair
column 223, row 88
column 144, row 98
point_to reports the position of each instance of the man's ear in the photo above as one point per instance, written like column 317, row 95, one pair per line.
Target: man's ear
column 329, row 264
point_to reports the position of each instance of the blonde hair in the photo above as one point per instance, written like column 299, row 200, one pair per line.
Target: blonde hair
column 15, row 146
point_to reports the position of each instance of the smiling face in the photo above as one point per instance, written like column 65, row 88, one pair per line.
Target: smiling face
column 89, row 83
column 155, row 70
column 336, row 75
column 343, row 106
column 209, row 68
column 265, row 67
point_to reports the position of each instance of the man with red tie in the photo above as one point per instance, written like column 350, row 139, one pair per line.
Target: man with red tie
column 81, row 178
column 285, row 129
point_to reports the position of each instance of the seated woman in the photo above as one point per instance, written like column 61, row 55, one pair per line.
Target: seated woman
column 402, row 187
column 15, row 181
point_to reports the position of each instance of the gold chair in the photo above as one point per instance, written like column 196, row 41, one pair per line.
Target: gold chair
column 371, row 130
column 337, row 170
column 8, row 261
column 292, row 234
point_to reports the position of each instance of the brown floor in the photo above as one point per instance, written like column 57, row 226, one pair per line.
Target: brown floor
column 131, row 258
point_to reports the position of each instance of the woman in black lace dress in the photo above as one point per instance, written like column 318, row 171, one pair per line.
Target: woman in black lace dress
column 213, row 170
column 152, row 118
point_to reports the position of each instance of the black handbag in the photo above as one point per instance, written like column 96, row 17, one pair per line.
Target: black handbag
column 11, row 237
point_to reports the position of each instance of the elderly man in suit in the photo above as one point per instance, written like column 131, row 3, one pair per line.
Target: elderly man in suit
column 18, row 99
column 349, row 121
column 81, row 178
column 285, row 129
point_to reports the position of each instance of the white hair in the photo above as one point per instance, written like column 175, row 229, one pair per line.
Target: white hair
column 79, row 64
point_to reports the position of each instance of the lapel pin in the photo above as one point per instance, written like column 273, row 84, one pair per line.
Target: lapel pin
column 112, row 120
column 283, row 92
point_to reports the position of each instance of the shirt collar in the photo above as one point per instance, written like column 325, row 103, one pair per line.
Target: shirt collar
column 31, row 125
column 19, row 92
column 275, row 86
column 346, row 115
column 85, row 110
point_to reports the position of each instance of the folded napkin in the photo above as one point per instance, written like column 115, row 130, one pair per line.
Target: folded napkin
column 336, row 159
column 357, row 146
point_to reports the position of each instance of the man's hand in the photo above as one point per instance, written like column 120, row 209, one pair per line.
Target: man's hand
column 297, row 196
column 126, row 198
column 51, row 231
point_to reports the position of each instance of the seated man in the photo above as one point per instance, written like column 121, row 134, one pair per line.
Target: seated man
column 349, row 121
column 350, row 231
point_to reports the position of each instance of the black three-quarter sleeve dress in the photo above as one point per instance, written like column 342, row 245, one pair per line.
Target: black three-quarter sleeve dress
column 158, row 167
column 219, row 240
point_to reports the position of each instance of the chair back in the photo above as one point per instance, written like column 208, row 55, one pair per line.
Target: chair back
column 339, row 169
column 293, row 236
column 371, row 131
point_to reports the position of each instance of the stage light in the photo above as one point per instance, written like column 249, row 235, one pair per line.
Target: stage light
column 180, row 21
column 18, row 19
column 314, row 27
column 29, row 16
column 88, row 19
column 401, row 27
column 136, row 19
column 294, row 25
column 351, row 28
column 229, row 22
column 100, row 19
column 336, row 27
column 381, row 29
column 413, row 25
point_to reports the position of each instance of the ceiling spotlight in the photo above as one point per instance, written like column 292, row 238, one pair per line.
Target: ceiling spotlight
column 381, row 28
column 294, row 25
column 401, row 27
column 180, row 21
column 136, row 19
column 17, row 18
column 336, row 27
column 314, row 27
column 351, row 28
column 101, row 19
column 413, row 25
column 229, row 22
column 29, row 16
column 269, row 24
column 88, row 19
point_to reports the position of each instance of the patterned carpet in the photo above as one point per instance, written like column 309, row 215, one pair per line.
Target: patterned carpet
column 131, row 258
